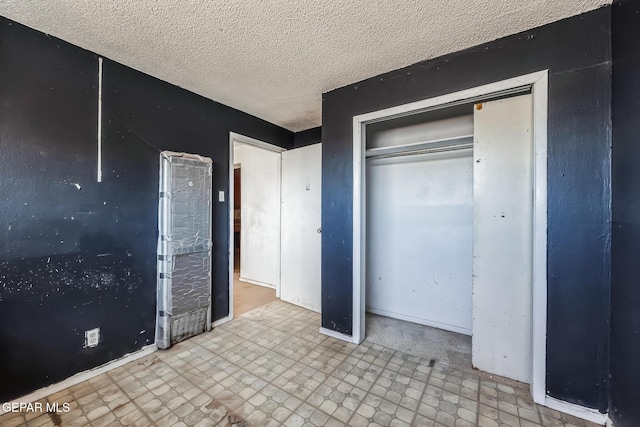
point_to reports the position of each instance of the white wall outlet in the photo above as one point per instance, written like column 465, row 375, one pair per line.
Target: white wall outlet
column 91, row 337
column 221, row 196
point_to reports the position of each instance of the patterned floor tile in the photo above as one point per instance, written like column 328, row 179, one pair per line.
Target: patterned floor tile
column 270, row 367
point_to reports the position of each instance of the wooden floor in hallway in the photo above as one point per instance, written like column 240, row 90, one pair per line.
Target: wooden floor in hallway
column 247, row 296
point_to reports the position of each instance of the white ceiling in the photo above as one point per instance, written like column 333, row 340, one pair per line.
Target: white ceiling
column 275, row 58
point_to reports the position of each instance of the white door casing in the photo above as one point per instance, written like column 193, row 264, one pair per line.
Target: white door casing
column 237, row 140
column 260, row 214
column 537, row 83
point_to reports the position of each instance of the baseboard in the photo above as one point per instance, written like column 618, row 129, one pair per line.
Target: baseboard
column 305, row 306
column 338, row 335
column 577, row 411
column 84, row 376
column 221, row 321
column 255, row 282
column 419, row 321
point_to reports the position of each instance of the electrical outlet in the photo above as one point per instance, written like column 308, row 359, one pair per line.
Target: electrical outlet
column 92, row 337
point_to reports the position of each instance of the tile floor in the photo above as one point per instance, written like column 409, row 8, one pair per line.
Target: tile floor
column 271, row 367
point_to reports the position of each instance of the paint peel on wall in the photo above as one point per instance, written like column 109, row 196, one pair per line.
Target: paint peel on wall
column 37, row 279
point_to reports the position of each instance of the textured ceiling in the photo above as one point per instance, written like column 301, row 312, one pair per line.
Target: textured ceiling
column 275, row 58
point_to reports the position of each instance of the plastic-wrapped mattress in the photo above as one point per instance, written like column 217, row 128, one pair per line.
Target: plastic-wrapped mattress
column 184, row 247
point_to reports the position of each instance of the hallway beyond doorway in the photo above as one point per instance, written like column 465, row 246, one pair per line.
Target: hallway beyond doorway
column 247, row 296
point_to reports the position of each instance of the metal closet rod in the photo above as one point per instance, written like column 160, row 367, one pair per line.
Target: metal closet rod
column 434, row 146
column 447, row 144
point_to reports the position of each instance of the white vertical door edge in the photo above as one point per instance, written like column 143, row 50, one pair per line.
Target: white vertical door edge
column 232, row 249
column 279, row 235
column 236, row 137
column 359, row 230
column 538, row 81
column 540, row 92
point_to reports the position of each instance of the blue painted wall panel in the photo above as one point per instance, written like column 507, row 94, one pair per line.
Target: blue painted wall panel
column 577, row 53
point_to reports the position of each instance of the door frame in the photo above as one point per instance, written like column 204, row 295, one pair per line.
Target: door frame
column 537, row 83
column 236, row 137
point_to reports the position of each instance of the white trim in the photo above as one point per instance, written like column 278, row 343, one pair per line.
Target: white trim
column 609, row 422
column 359, row 229
column 576, row 410
column 337, row 335
column 256, row 282
column 99, row 173
column 242, row 139
column 84, row 376
column 232, row 242
column 539, row 83
column 236, row 137
column 540, row 92
column 309, row 306
column 279, row 286
column 221, row 321
column 479, row 91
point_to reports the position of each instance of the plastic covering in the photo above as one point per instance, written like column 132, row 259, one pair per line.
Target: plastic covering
column 190, row 206
column 184, row 247
column 190, row 282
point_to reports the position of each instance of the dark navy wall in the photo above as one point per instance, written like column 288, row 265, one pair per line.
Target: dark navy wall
column 625, row 254
column 307, row 137
column 577, row 53
column 152, row 115
column 76, row 254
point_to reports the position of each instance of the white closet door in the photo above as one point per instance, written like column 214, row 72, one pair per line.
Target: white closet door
column 419, row 231
column 301, row 209
column 502, row 237
column 260, row 216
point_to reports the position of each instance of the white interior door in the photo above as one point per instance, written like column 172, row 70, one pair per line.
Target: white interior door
column 502, row 237
column 301, row 219
column 419, row 231
column 260, row 215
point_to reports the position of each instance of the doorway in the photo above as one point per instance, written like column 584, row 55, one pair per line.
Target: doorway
column 536, row 85
column 255, row 220
column 419, row 225
column 419, row 204
column 274, row 227
column 246, row 296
